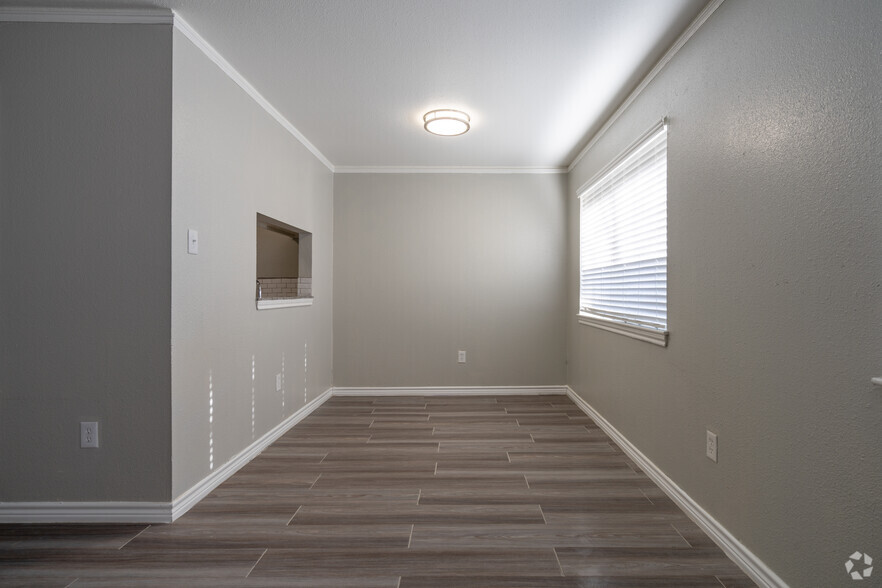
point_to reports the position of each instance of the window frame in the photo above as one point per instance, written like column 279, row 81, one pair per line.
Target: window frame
column 657, row 336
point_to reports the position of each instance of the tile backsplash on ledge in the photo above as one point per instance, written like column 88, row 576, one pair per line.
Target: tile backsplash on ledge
column 285, row 287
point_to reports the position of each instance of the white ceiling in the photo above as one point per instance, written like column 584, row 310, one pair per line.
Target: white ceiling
column 538, row 77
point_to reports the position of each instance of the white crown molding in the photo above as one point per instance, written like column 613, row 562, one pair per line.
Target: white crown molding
column 354, row 169
column 693, row 27
column 450, row 391
column 204, row 487
column 184, row 27
column 85, row 15
column 745, row 559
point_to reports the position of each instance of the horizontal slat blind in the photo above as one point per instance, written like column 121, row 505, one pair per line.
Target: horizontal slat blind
column 623, row 239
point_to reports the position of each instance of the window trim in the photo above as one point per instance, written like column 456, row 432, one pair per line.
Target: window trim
column 653, row 336
column 642, row 333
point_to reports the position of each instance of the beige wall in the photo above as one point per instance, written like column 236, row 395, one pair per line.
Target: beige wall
column 428, row 264
column 85, row 276
column 774, row 218
column 231, row 160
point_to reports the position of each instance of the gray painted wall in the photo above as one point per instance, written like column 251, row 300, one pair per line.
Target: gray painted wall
column 774, row 283
column 231, row 160
column 85, row 270
column 426, row 265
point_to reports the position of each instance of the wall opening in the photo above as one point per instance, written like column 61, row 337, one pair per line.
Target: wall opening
column 284, row 264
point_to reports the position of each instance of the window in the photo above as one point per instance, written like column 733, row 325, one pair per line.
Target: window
column 623, row 242
column 284, row 265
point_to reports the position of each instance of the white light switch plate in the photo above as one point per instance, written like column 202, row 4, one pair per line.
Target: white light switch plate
column 192, row 242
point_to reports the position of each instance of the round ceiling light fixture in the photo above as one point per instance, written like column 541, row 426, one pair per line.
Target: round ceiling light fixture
column 446, row 122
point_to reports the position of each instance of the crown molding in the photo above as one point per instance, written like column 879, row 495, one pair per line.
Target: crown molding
column 354, row 169
column 184, row 27
column 86, row 15
column 669, row 54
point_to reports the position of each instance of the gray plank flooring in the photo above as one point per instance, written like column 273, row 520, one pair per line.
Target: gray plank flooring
column 404, row 492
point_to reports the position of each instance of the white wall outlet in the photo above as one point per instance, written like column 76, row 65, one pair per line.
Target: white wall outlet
column 461, row 358
column 711, row 450
column 278, row 382
column 192, row 241
column 88, row 434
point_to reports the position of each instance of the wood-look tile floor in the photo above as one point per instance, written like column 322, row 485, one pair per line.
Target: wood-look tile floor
column 409, row 492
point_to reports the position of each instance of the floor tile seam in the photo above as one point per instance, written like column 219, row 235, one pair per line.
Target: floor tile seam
column 557, row 559
column 257, row 562
column 682, row 536
column 133, row 538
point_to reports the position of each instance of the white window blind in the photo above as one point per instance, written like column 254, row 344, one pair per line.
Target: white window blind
column 623, row 238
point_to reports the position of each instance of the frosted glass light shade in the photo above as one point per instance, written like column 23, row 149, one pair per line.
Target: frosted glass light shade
column 446, row 122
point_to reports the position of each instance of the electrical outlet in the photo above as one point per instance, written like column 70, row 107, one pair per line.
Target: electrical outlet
column 278, row 382
column 88, row 434
column 462, row 357
column 711, row 450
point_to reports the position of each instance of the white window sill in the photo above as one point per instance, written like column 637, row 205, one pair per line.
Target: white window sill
column 268, row 303
column 642, row 333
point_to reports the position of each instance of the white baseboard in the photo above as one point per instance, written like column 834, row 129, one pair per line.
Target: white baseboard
column 85, row 512
column 745, row 559
column 203, row 488
column 150, row 512
column 451, row 391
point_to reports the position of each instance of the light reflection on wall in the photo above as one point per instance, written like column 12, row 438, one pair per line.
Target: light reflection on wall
column 304, row 373
column 283, row 384
column 210, row 421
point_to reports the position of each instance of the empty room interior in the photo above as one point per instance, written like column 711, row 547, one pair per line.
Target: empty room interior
column 436, row 293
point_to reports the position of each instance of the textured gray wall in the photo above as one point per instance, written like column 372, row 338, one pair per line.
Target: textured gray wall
column 426, row 265
column 85, row 270
column 232, row 161
column 774, row 289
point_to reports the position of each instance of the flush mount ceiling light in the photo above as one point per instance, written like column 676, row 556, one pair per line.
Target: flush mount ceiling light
column 446, row 122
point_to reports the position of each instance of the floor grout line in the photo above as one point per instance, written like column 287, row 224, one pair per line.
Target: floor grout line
column 293, row 515
column 542, row 512
column 130, row 540
column 419, row 496
column 72, row 583
column 723, row 584
column 322, row 461
column 316, row 480
column 554, row 551
column 257, row 562
column 646, row 497
column 526, row 480
column 677, row 531
column 409, row 539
